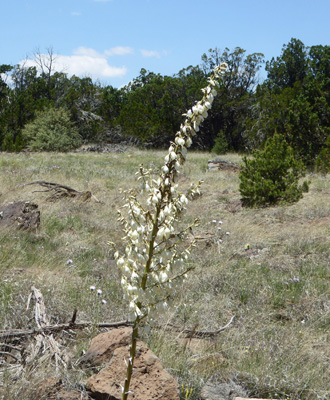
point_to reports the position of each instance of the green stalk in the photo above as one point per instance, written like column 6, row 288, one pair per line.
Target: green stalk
column 135, row 331
column 129, row 371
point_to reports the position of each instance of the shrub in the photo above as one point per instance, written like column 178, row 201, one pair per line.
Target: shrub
column 51, row 130
column 220, row 144
column 272, row 176
column 323, row 159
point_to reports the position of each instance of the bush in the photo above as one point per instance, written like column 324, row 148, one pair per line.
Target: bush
column 323, row 159
column 51, row 130
column 220, row 144
column 272, row 176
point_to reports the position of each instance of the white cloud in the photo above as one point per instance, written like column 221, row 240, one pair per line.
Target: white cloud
column 76, row 13
column 7, row 79
column 150, row 53
column 87, row 52
column 119, row 51
column 84, row 62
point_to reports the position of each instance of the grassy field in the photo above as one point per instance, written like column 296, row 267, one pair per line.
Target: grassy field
column 269, row 268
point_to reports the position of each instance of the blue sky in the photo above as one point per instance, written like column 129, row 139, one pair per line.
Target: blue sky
column 111, row 40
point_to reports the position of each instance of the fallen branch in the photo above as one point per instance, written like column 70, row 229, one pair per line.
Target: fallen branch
column 21, row 333
column 193, row 333
column 61, row 191
column 46, row 341
column 7, row 346
column 7, row 354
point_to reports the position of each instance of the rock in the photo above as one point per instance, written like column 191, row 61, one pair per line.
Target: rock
column 105, row 148
column 21, row 214
column 234, row 206
column 71, row 395
column 102, row 347
column 149, row 380
column 249, row 398
column 214, row 390
column 52, row 389
column 217, row 164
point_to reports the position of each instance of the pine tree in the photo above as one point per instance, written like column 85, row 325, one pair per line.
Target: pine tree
column 272, row 175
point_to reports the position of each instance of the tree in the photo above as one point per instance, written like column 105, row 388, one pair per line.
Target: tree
column 83, row 99
column 4, row 96
column 294, row 101
column 45, row 63
column 323, row 159
column 291, row 66
column 51, row 130
column 232, row 107
column 272, row 175
column 152, row 108
column 23, row 99
column 220, row 144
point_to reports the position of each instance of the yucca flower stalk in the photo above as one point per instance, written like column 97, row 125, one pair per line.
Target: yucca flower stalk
column 153, row 265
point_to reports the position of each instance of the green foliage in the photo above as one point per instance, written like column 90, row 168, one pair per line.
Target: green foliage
column 290, row 67
column 294, row 100
column 323, row 159
column 220, row 144
column 272, row 176
column 236, row 95
column 153, row 105
column 51, row 130
column 12, row 141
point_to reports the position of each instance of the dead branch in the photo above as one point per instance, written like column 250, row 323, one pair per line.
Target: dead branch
column 7, row 346
column 192, row 333
column 21, row 333
column 7, row 354
column 60, row 191
column 51, row 348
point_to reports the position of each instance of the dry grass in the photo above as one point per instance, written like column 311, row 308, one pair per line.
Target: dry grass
column 278, row 288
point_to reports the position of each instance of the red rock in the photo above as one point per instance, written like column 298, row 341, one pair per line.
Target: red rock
column 103, row 346
column 149, row 380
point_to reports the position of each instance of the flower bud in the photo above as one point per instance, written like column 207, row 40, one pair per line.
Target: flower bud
column 188, row 142
column 172, row 155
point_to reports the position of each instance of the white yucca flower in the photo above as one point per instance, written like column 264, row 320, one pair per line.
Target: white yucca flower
column 153, row 263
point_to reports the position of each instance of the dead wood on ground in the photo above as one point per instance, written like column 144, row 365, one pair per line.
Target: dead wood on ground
column 60, row 191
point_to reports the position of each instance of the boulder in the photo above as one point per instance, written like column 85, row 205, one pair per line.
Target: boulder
column 149, row 380
column 20, row 214
column 102, row 346
column 218, row 164
column 214, row 390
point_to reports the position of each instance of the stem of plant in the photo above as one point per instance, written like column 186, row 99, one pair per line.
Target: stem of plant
column 131, row 358
column 135, row 330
